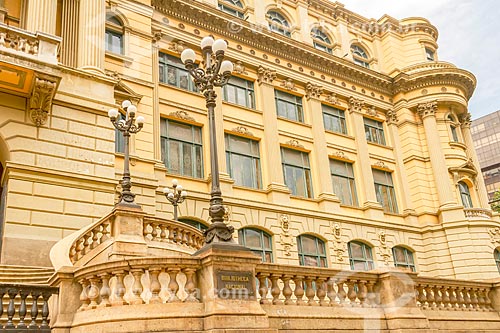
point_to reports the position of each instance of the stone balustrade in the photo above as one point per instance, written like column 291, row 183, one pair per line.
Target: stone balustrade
column 166, row 231
column 23, row 301
column 40, row 46
column 90, row 239
column 429, row 65
column 477, row 213
column 439, row 294
column 287, row 285
column 138, row 281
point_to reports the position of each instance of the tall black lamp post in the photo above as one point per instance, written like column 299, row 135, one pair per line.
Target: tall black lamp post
column 175, row 196
column 127, row 127
column 216, row 73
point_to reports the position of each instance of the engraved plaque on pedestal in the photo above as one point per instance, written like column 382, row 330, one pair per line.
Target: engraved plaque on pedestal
column 235, row 284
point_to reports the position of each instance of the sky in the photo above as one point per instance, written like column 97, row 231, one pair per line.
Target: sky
column 469, row 37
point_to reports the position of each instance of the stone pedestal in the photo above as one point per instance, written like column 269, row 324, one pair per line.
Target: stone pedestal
column 128, row 233
column 67, row 302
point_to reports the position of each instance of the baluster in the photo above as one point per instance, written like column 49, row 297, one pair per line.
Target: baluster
column 45, row 310
column 119, row 289
column 362, row 293
column 341, row 293
column 86, row 245
column 263, row 288
column 79, row 248
column 173, row 286
column 34, row 309
column 299, row 290
column 145, row 230
column 178, row 235
column 321, row 292
column 452, row 291
column 95, row 238
column 351, row 293
column 137, row 286
column 446, row 297
column 93, row 293
column 73, row 254
column 422, row 299
column 474, row 299
column 84, row 299
column 460, row 298
column 155, row 286
column 190, row 287
column 371, row 296
column 438, row 298
column 105, row 290
column 287, row 290
column 430, row 296
column 481, row 300
column 189, row 238
column 171, row 234
column 330, row 291
column 11, row 309
column 105, row 231
column 467, row 299
column 163, row 233
column 22, row 308
column 185, row 239
column 2, row 293
column 310, row 292
column 154, row 232
column 487, row 303
column 275, row 289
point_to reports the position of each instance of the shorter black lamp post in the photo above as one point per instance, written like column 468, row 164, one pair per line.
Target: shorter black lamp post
column 175, row 196
column 126, row 126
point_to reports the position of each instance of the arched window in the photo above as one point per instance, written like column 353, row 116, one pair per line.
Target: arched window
column 258, row 241
column 403, row 258
column 453, row 128
column 198, row 225
column 359, row 56
column 497, row 259
column 465, row 194
column 321, row 40
column 278, row 23
column 114, row 34
column 312, row 251
column 429, row 54
column 233, row 7
column 360, row 256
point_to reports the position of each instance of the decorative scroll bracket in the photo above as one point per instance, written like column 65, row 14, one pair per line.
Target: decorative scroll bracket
column 40, row 102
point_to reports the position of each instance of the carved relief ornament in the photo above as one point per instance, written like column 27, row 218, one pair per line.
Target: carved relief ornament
column 494, row 236
column 242, row 130
column 239, row 68
column 265, row 75
column 294, row 143
column 286, row 236
column 392, row 117
column 427, row 109
column 313, row 90
column 177, row 46
column 385, row 252
column 288, row 84
column 332, row 98
column 181, row 114
column 339, row 244
column 371, row 111
column 40, row 102
column 355, row 105
column 466, row 120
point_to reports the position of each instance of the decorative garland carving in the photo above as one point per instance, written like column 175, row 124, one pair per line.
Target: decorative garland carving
column 40, row 103
column 294, row 143
column 371, row 111
column 242, row 130
column 239, row 68
column 332, row 98
column 494, row 236
column 265, row 75
column 181, row 114
column 392, row 117
column 341, row 154
column 339, row 244
column 385, row 252
column 355, row 105
column 288, row 84
column 313, row 90
column 286, row 237
column 381, row 165
column 427, row 109
column 177, row 46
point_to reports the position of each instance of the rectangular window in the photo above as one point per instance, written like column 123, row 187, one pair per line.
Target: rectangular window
column 297, row 172
column 181, row 148
column 243, row 161
column 114, row 42
column 334, row 119
column 119, row 139
column 239, row 91
column 384, row 189
column 289, row 106
column 374, row 131
column 173, row 72
column 343, row 182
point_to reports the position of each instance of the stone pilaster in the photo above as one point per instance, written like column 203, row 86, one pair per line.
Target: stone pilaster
column 156, row 97
column 328, row 200
column 471, row 153
column 69, row 32
column 427, row 112
column 41, row 16
column 278, row 192
column 92, row 27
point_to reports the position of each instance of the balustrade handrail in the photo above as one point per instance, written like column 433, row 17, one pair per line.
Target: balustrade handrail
column 186, row 234
column 477, row 212
column 452, row 282
column 428, row 65
column 315, row 271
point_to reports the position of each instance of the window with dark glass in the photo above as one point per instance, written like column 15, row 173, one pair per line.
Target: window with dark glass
column 403, row 258
column 181, row 148
column 497, row 259
column 429, row 54
column 173, row 72
column 243, row 161
column 465, row 194
column 384, row 189
column 119, row 138
column 321, row 40
column 114, row 34
column 297, row 172
column 360, row 256
column 258, row 241
column 239, row 91
column 289, row 106
column 198, row 225
column 233, row 7
column 374, row 131
column 312, row 251
column 359, row 56
column 334, row 119
column 343, row 182
column 453, row 129
column 278, row 23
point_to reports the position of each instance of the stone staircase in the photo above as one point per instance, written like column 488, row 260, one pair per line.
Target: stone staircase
column 10, row 274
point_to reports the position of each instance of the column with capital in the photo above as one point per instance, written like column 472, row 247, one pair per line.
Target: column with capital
column 277, row 191
column 92, row 28
column 471, row 153
column 427, row 111
column 328, row 201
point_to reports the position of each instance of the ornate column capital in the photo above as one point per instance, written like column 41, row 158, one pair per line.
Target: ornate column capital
column 427, row 109
column 466, row 120
column 355, row 105
column 392, row 117
column 313, row 91
column 265, row 75
column 40, row 102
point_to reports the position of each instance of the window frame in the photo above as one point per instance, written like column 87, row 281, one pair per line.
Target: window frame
column 360, row 56
column 350, row 181
column 164, row 141
column 378, row 128
column 407, row 254
column 119, row 138
column 368, row 263
column 114, row 27
column 165, row 61
column 297, row 105
column 496, row 255
column 306, row 171
column 278, row 23
column 463, row 185
column 263, row 251
column 321, row 41
column 248, row 88
column 454, row 125
column 318, row 256
column 228, row 6
column 255, row 158
column 334, row 113
column 392, row 205
column 430, row 54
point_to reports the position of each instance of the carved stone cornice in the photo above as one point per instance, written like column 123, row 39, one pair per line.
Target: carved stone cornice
column 40, row 102
column 392, row 117
column 313, row 90
column 466, row 120
column 181, row 114
column 355, row 105
column 427, row 109
column 265, row 75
